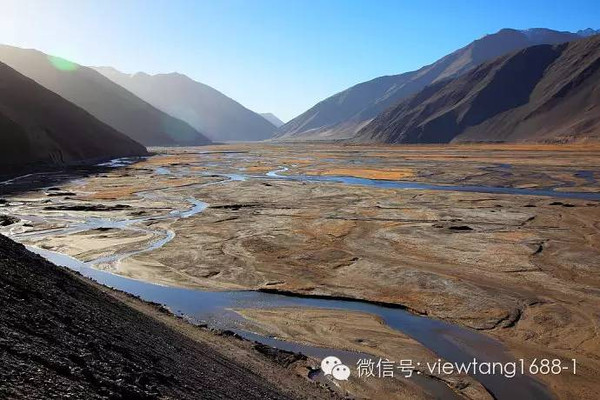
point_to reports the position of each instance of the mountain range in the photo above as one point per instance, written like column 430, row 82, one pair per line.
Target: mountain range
column 102, row 98
column 344, row 114
column 588, row 32
column 544, row 93
column 201, row 106
column 528, row 85
column 38, row 128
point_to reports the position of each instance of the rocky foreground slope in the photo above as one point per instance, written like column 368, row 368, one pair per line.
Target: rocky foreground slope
column 61, row 337
column 540, row 94
column 39, row 128
column 102, row 98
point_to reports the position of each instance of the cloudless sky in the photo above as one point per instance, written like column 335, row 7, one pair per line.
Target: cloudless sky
column 279, row 56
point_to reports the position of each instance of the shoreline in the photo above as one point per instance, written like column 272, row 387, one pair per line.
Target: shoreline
column 157, row 357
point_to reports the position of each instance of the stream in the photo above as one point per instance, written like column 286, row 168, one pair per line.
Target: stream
column 448, row 341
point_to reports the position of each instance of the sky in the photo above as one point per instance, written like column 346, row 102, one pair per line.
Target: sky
column 279, row 56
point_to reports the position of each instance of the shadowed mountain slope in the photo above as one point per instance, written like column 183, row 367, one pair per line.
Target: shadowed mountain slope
column 540, row 94
column 102, row 98
column 203, row 107
column 343, row 114
column 38, row 127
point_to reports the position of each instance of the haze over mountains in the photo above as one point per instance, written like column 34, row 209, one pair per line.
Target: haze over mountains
column 548, row 92
column 542, row 93
column 102, row 98
column 343, row 114
column 38, row 127
column 272, row 118
column 204, row 108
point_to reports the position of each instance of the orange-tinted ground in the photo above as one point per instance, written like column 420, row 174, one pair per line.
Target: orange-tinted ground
column 520, row 268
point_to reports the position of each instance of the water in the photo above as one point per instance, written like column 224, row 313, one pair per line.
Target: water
column 450, row 342
column 386, row 184
column 587, row 175
column 162, row 171
column 121, row 162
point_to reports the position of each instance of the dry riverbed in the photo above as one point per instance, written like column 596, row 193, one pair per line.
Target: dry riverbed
column 520, row 268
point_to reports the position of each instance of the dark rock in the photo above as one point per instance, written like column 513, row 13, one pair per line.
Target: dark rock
column 88, row 207
column 6, row 220
column 56, row 194
column 460, row 228
column 281, row 357
column 560, row 203
column 235, row 207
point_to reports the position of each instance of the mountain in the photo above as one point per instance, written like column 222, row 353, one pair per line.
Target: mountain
column 203, row 107
column 543, row 93
column 38, row 127
column 102, row 98
column 343, row 114
column 588, row 32
column 272, row 118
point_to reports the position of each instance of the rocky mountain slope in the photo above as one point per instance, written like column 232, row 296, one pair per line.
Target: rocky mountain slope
column 343, row 114
column 540, row 94
column 102, row 98
column 204, row 108
column 61, row 337
column 38, row 127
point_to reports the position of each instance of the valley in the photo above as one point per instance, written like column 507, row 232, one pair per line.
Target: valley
column 498, row 243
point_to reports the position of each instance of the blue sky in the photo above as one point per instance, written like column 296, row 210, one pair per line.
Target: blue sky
column 279, row 56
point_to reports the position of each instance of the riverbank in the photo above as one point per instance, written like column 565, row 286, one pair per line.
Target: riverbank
column 62, row 336
column 517, row 265
column 32, row 177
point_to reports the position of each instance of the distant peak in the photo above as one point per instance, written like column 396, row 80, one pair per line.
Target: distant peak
column 107, row 69
column 504, row 32
column 539, row 33
column 139, row 74
column 170, row 75
column 508, row 30
column 112, row 71
column 588, row 32
column 272, row 118
column 534, row 33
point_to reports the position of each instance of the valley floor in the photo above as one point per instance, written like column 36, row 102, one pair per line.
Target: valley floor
column 520, row 264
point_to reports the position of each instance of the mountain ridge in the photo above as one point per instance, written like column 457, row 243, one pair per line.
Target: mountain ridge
column 544, row 93
column 343, row 114
column 272, row 118
column 41, row 128
column 203, row 107
column 107, row 101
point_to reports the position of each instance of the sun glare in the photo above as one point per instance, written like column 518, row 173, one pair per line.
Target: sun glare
column 62, row 65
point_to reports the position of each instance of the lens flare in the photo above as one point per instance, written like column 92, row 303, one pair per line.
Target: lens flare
column 61, row 64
